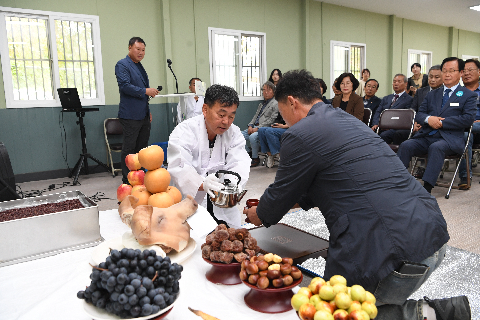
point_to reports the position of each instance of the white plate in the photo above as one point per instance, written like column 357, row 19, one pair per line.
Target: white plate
column 102, row 314
column 102, row 251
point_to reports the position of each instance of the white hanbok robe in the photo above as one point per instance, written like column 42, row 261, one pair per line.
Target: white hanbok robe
column 190, row 161
column 192, row 108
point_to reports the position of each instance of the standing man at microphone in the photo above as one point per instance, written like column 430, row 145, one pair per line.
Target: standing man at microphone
column 134, row 112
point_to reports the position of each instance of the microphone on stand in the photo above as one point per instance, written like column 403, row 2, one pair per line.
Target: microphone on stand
column 170, row 66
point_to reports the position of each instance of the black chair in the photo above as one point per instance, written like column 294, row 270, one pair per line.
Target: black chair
column 112, row 127
column 396, row 119
column 367, row 116
column 458, row 158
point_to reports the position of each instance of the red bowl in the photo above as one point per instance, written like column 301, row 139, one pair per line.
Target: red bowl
column 252, row 202
column 222, row 273
column 271, row 299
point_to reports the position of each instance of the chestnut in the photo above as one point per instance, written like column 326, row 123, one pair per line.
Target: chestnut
column 273, row 274
column 287, row 280
column 263, row 273
column 245, row 264
column 253, row 259
column 252, row 268
column 277, row 283
column 253, row 278
column 286, row 268
column 295, row 273
column 263, row 282
column 287, row 261
column 261, row 257
column 262, row 264
column 243, row 275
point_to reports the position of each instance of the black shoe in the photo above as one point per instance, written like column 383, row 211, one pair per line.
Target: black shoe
column 255, row 162
column 463, row 185
column 419, row 173
column 454, row 308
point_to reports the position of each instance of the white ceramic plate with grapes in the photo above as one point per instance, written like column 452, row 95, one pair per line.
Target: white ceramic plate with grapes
column 102, row 251
column 102, row 314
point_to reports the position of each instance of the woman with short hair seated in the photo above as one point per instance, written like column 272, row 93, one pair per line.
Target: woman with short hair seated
column 348, row 100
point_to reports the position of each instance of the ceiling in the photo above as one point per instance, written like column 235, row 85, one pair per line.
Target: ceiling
column 449, row 13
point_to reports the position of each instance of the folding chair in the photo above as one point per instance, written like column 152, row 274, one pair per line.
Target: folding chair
column 397, row 119
column 112, row 127
column 458, row 158
column 367, row 116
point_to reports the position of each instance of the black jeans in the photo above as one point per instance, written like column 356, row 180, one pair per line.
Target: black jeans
column 135, row 137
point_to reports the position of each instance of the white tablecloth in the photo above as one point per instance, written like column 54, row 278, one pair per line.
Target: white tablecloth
column 47, row 288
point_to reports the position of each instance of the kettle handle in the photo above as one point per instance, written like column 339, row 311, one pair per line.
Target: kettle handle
column 229, row 172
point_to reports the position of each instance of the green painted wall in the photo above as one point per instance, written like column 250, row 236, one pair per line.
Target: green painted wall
column 298, row 35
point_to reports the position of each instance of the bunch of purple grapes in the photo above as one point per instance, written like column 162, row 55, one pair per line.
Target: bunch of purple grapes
column 131, row 283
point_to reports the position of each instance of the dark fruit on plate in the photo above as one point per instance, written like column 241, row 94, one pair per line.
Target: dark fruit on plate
column 245, row 264
column 263, row 282
column 273, row 274
column 253, row 278
column 243, row 275
column 286, row 268
column 295, row 273
column 287, row 280
column 263, row 273
column 287, row 261
column 253, row 259
column 252, row 268
column 261, row 258
column 277, row 283
column 262, row 265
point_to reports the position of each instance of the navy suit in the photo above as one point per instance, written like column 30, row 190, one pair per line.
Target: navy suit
column 403, row 102
column 372, row 104
column 133, row 110
column 459, row 113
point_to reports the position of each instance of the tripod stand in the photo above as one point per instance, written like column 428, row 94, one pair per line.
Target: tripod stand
column 84, row 156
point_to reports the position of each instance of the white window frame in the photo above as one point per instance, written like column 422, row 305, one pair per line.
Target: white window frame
column 334, row 43
column 239, row 34
column 466, row 57
column 51, row 17
column 410, row 62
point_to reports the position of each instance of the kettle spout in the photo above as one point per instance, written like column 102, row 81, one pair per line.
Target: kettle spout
column 240, row 195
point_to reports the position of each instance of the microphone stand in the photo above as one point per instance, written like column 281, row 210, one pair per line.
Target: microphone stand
column 170, row 67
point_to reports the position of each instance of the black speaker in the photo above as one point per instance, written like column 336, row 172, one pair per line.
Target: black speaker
column 7, row 179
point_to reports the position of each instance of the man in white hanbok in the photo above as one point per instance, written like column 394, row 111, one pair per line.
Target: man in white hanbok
column 200, row 146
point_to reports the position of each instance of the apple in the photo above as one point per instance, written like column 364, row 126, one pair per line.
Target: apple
column 333, row 304
column 139, row 187
column 123, row 191
column 370, row 297
column 337, row 279
column 136, row 177
column 322, row 315
column 339, row 287
column 357, row 293
column 315, row 299
column 370, row 308
column 358, row 315
column 316, row 284
column 132, row 162
column 307, row 311
column 343, row 300
column 298, row 300
column 341, row 314
column 326, row 293
column 324, row 305
column 305, row 291
column 354, row 306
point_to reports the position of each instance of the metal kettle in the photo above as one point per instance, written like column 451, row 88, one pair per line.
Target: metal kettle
column 229, row 196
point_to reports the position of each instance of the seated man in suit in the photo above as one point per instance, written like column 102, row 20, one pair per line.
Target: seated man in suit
column 444, row 115
column 397, row 100
column 265, row 116
column 370, row 100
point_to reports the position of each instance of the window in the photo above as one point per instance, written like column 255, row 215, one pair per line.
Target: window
column 466, row 57
column 346, row 57
column 418, row 56
column 42, row 51
column 237, row 59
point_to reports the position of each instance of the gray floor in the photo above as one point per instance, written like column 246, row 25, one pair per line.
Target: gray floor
column 461, row 211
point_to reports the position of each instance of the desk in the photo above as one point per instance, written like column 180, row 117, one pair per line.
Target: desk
column 47, row 288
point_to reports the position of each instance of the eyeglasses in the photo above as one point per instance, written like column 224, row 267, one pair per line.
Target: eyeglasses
column 345, row 83
column 449, row 71
column 470, row 70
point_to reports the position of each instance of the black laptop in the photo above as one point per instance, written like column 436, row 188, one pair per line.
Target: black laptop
column 69, row 98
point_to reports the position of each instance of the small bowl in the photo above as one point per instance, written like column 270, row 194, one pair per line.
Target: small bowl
column 252, row 203
column 222, row 273
column 271, row 299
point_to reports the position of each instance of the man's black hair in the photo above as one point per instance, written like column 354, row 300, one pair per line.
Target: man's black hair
column 299, row 84
column 226, row 96
column 354, row 80
column 132, row 41
column 323, row 85
column 461, row 63
column 190, row 82
column 378, row 84
column 477, row 63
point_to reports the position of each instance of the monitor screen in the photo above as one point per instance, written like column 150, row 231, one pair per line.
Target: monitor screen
column 69, row 98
